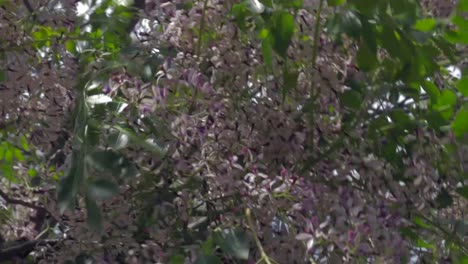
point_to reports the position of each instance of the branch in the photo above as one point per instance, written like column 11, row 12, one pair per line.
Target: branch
column 41, row 212
column 19, row 202
column 21, row 250
column 30, row 9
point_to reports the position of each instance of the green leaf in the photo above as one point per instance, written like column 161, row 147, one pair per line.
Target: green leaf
column 282, row 31
column 102, row 189
column 423, row 244
column 461, row 22
column 18, row 155
column 112, row 162
column 66, row 195
column 240, row 12
column 420, row 222
column 289, row 80
column 94, row 217
column 425, row 25
column 462, row 85
column 8, row 173
column 351, row 99
column 233, row 242
column 460, row 123
column 444, row 199
column 335, row 2
column 3, row 76
column 366, row 58
column 24, row 143
column 177, row 259
column 118, row 140
column 70, row 46
column 462, row 6
column 268, row 3
column 431, row 89
column 266, row 53
column 460, row 37
column 445, row 103
column 71, row 183
column 151, row 146
column 32, row 173
column 463, row 191
column 367, row 7
column 351, row 24
column 290, row 3
column 208, row 259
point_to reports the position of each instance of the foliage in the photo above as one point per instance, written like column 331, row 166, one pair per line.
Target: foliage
column 219, row 131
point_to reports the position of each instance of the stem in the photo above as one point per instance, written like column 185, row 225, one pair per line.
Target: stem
column 202, row 27
column 310, row 105
column 259, row 245
column 316, row 34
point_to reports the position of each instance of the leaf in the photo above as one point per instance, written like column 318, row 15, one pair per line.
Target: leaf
column 3, row 76
column 256, row 6
column 460, row 123
column 70, row 184
column 351, row 99
column 112, row 162
column 177, row 259
column 304, row 236
column 118, row 140
column 463, row 191
column 208, row 259
column 70, row 46
column 462, row 85
column 151, row 146
column 98, row 99
column 351, row 24
column 233, row 242
column 462, row 6
column 8, row 173
column 289, row 81
column 366, row 58
column 365, row 6
column 431, row 89
column 282, row 31
column 290, row 3
column 335, row 2
column 425, row 25
column 94, row 217
column 460, row 37
column 266, row 53
column 66, row 195
column 102, row 189
column 445, row 103
column 420, row 222
column 444, row 199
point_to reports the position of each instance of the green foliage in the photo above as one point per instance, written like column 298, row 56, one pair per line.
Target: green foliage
column 282, row 30
column 460, row 123
column 393, row 102
column 233, row 242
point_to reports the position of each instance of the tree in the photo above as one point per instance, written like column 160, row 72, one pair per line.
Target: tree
column 220, row 131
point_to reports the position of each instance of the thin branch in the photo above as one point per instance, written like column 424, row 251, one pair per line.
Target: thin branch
column 19, row 202
column 30, row 9
column 23, row 249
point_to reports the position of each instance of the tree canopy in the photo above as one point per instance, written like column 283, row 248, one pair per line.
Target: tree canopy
column 233, row 131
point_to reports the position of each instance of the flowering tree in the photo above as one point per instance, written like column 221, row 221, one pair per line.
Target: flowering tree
column 227, row 131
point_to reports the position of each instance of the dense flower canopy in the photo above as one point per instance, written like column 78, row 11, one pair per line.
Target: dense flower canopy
column 228, row 131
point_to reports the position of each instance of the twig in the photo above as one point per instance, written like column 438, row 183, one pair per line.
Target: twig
column 202, row 26
column 23, row 249
column 19, row 202
column 264, row 256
